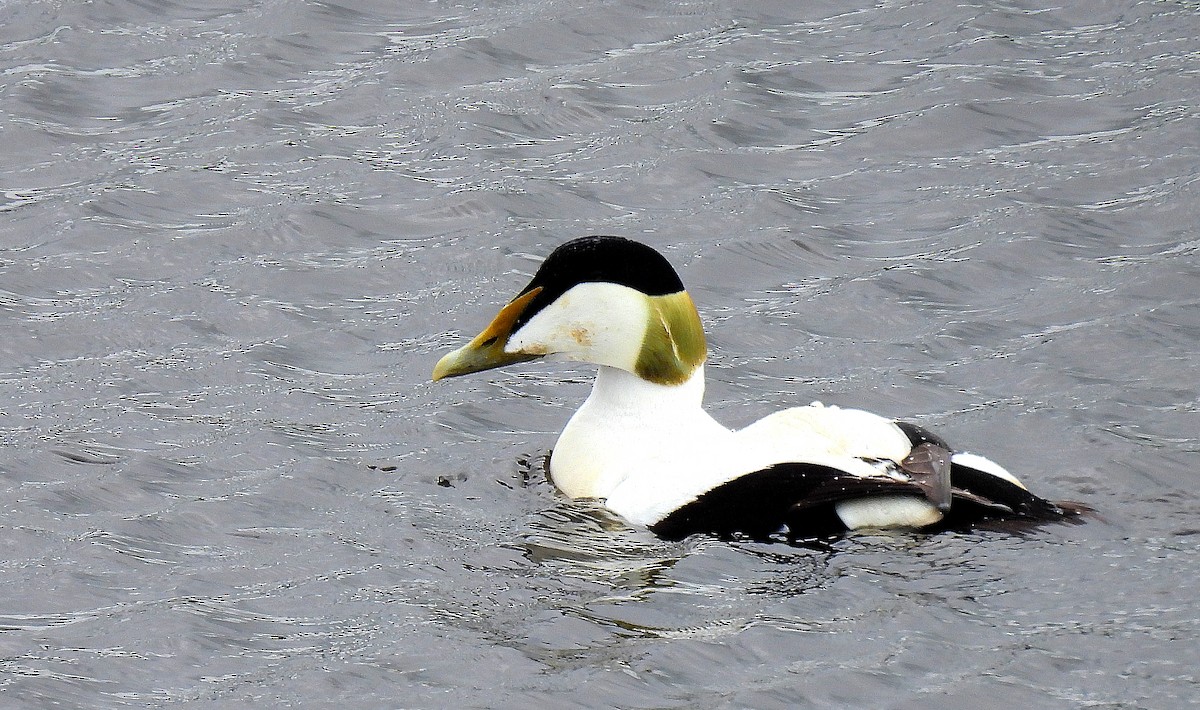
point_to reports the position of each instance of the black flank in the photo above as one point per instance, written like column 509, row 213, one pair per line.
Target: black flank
column 796, row 498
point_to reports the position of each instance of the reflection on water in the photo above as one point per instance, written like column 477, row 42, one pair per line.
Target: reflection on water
column 235, row 239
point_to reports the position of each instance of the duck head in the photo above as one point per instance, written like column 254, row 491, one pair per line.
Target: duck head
column 603, row 300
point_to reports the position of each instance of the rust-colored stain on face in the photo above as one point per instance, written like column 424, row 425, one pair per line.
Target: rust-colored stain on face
column 581, row 336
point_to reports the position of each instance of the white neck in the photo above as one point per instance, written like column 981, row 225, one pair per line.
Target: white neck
column 624, row 390
column 626, row 426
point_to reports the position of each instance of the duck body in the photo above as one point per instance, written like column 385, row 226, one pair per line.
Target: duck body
column 644, row 445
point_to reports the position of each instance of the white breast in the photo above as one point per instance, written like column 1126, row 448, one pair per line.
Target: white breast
column 648, row 449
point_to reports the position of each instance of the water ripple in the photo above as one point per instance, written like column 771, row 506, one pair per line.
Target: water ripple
column 234, row 239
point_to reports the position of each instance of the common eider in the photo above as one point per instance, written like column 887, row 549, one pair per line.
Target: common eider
column 643, row 445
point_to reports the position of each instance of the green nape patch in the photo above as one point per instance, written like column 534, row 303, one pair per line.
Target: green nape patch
column 673, row 345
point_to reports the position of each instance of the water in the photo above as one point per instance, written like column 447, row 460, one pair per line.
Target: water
column 235, row 239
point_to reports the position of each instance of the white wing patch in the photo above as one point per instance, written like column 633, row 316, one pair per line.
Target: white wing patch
column 800, row 433
column 987, row 466
column 888, row 512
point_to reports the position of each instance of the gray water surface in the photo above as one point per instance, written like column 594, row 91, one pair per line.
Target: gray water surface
column 235, row 238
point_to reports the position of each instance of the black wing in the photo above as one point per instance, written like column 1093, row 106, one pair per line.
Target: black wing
column 980, row 497
column 798, row 497
column 976, row 496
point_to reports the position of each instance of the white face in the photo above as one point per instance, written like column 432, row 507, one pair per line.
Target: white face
column 600, row 323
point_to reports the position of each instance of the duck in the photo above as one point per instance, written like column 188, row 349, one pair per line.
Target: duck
column 643, row 445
